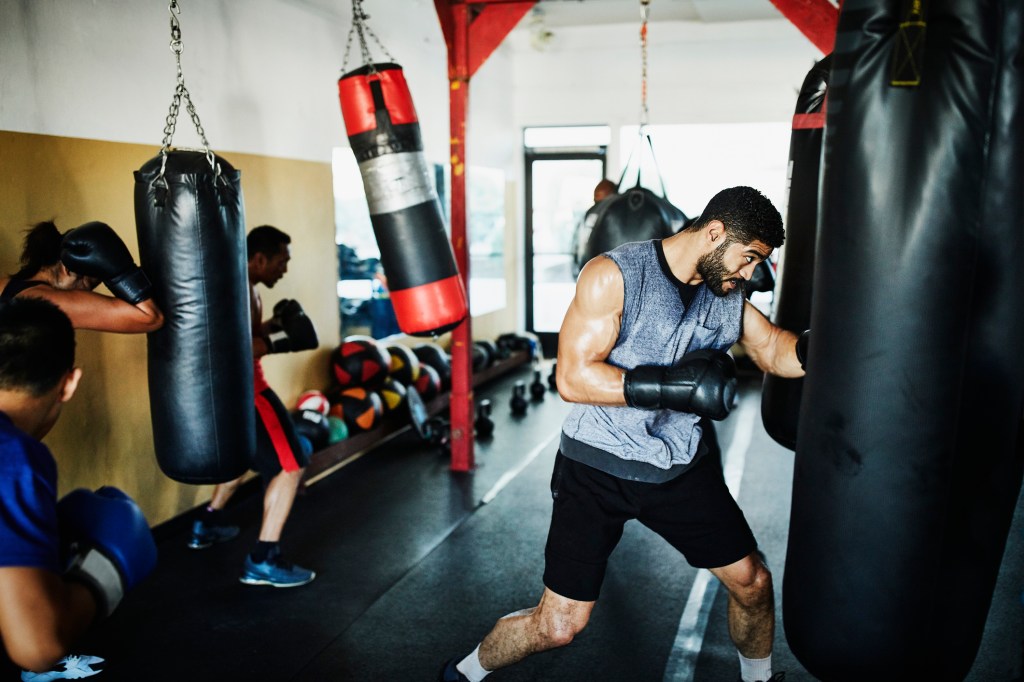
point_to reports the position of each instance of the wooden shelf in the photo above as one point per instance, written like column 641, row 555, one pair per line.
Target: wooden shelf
column 328, row 460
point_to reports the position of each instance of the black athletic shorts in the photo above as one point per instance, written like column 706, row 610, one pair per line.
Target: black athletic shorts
column 695, row 512
column 277, row 445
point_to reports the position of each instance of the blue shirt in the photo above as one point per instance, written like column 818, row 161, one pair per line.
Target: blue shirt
column 28, row 500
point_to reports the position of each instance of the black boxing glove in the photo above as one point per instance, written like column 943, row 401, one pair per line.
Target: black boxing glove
column 95, row 250
column 703, row 383
column 801, row 347
column 290, row 329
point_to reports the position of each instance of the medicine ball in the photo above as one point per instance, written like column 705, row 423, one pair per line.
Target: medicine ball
column 429, row 383
column 392, row 393
column 313, row 400
column 405, row 366
column 361, row 409
column 313, row 425
column 432, row 354
column 360, row 363
column 339, row 429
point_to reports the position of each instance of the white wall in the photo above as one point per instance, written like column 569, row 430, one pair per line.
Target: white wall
column 697, row 73
column 262, row 73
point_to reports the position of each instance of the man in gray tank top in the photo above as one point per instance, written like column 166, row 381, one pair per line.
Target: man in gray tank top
column 641, row 354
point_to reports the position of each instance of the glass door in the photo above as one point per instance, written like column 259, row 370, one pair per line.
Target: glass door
column 559, row 190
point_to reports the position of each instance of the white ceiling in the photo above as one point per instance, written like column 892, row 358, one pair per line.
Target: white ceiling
column 557, row 13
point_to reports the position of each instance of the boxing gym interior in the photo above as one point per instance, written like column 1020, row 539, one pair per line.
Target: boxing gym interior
column 883, row 487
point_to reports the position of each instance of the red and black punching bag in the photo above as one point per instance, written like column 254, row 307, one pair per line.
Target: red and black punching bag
column 909, row 456
column 425, row 286
column 191, row 226
column 791, row 308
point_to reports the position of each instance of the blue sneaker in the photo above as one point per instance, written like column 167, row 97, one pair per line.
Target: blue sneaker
column 204, row 535
column 275, row 572
column 67, row 668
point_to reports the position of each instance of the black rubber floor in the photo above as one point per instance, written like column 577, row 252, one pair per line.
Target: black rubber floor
column 414, row 567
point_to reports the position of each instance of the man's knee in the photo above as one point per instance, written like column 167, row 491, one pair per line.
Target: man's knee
column 749, row 582
column 559, row 626
column 292, row 478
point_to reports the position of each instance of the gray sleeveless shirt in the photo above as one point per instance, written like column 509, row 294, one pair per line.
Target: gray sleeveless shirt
column 657, row 328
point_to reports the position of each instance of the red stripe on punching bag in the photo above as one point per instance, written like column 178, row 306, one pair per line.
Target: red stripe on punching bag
column 357, row 104
column 440, row 304
column 809, row 121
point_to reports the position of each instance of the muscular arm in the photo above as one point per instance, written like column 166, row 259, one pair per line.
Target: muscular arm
column 260, row 329
column 772, row 348
column 41, row 616
column 89, row 310
column 588, row 334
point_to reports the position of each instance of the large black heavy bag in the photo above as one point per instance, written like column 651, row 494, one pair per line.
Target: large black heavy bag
column 908, row 457
column 632, row 216
column 191, row 228
column 791, row 309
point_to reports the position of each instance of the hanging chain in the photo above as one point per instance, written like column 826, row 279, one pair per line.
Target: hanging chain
column 645, row 6
column 360, row 27
column 180, row 92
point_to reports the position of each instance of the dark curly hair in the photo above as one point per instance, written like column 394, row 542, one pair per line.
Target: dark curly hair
column 747, row 215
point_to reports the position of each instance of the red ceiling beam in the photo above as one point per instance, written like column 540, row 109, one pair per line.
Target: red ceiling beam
column 489, row 22
column 816, row 19
column 472, row 30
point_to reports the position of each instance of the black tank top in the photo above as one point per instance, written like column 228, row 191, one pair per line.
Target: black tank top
column 16, row 286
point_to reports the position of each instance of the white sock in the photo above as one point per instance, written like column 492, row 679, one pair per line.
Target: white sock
column 471, row 668
column 755, row 669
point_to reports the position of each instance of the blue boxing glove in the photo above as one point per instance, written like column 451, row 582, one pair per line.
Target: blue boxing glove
column 110, row 544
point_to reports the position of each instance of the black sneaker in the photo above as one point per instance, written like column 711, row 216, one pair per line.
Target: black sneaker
column 204, row 535
column 449, row 673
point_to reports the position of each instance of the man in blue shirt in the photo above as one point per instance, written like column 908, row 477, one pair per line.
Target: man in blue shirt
column 62, row 565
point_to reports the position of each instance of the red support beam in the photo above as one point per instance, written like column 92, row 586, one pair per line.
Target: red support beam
column 816, row 19
column 472, row 30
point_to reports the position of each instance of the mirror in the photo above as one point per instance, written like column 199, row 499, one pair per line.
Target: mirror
column 363, row 300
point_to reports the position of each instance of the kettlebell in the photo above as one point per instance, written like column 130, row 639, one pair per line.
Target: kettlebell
column 484, row 425
column 518, row 402
column 537, row 389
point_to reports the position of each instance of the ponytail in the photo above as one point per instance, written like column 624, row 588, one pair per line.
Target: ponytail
column 42, row 249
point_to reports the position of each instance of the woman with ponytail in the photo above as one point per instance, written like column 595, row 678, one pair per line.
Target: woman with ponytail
column 65, row 268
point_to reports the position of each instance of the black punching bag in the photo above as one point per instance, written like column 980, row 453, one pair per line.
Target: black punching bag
column 384, row 132
column 780, row 398
column 191, row 227
column 635, row 215
column 908, row 459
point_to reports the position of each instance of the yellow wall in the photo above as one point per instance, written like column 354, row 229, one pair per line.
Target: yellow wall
column 104, row 435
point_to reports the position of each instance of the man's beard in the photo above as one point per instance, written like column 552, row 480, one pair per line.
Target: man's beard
column 711, row 268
